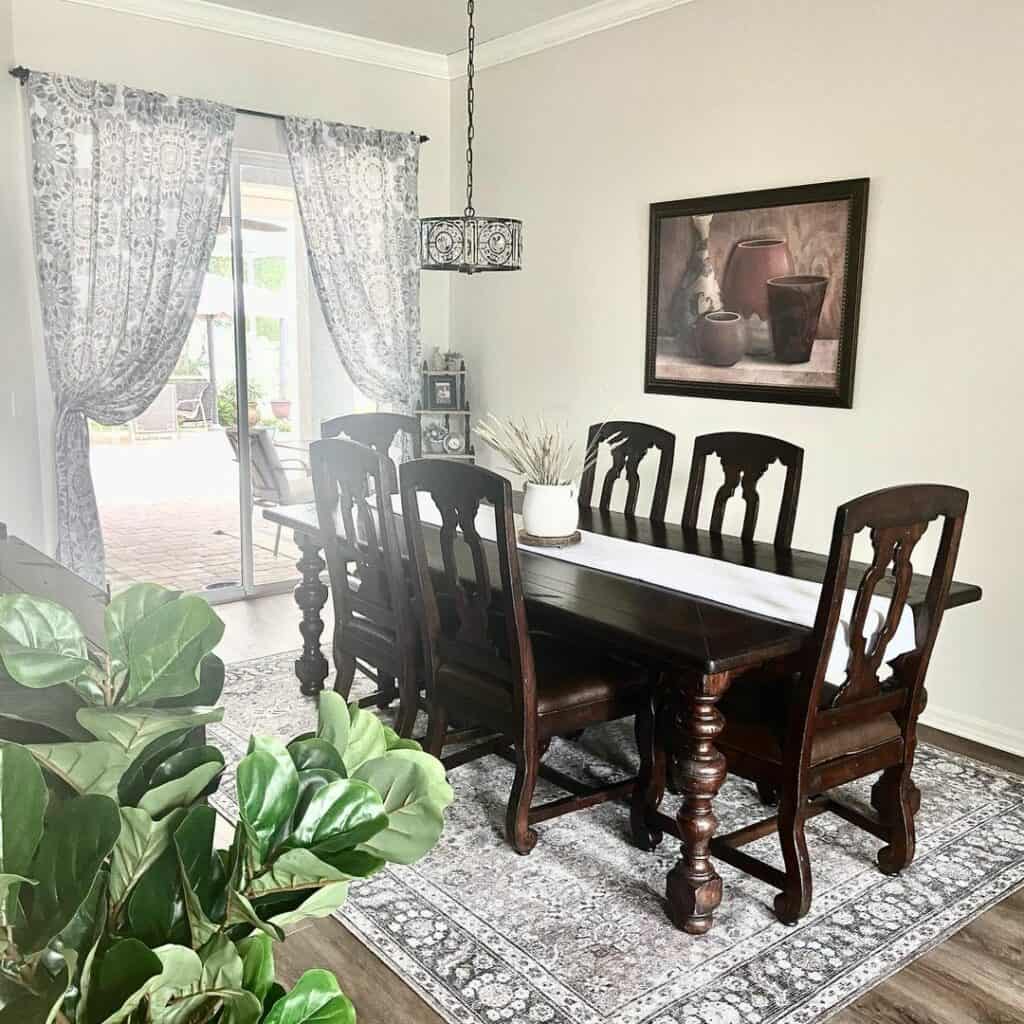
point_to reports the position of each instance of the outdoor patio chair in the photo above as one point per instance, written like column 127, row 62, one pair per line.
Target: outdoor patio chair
column 190, row 406
column 271, row 484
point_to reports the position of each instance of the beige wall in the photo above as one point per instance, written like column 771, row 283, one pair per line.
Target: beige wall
column 923, row 97
column 20, row 474
column 50, row 35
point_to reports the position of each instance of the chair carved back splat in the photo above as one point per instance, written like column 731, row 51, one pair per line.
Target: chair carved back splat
column 745, row 459
column 629, row 443
column 473, row 611
column 376, row 430
column 353, row 485
column 896, row 518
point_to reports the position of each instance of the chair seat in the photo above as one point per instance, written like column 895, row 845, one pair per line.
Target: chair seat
column 571, row 678
column 756, row 713
column 571, row 681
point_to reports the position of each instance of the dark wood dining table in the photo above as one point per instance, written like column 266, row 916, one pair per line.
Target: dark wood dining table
column 696, row 647
column 26, row 570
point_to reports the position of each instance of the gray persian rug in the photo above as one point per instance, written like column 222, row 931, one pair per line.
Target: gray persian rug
column 576, row 934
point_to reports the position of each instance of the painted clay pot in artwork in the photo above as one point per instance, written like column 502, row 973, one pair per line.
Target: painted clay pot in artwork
column 794, row 306
column 744, row 287
column 721, row 338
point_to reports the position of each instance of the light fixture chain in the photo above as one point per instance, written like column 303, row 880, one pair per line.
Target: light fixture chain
column 470, row 212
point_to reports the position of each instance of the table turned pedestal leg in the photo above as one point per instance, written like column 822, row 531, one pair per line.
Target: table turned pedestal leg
column 311, row 667
column 694, row 888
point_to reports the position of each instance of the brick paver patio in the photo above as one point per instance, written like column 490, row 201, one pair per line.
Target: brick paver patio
column 169, row 509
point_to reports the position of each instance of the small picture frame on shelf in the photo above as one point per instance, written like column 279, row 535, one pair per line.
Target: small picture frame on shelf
column 443, row 392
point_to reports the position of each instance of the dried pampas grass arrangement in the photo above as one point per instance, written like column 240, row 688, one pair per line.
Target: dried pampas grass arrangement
column 539, row 451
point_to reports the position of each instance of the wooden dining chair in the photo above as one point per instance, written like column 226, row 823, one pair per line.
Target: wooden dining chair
column 374, row 627
column 483, row 666
column 377, row 430
column 629, row 443
column 804, row 736
column 745, row 458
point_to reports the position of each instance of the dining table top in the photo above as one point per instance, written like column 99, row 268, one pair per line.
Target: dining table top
column 679, row 630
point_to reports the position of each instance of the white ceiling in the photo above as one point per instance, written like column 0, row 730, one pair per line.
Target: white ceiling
column 438, row 26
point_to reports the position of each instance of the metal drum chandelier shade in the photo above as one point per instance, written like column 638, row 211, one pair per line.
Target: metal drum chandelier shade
column 468, row 243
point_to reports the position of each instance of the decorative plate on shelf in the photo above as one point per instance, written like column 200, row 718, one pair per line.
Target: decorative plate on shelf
column 435, row 438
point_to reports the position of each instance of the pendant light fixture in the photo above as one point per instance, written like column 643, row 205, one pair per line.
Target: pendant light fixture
column 470, row 244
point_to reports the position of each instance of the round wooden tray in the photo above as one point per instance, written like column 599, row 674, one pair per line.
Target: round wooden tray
column 550, row 542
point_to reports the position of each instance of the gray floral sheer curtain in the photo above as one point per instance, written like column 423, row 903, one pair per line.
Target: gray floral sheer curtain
column 357, row 196
column 127, row 191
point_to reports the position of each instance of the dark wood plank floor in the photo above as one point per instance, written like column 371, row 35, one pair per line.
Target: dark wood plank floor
column 974, row 977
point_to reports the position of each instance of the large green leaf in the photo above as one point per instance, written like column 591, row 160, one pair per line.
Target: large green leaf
column 354, row 863
column 178, row 765
column 257, row 954
column 311, row 781
column 82, row 937
column 134, row 731
column 295, row 871
column 180, row 976
column 242, row 912
column 334, row 721
column 78, row 837
column 211, row 685
column 141, row 842
column 23, row 800
column 414, row 797
column 340, row 816
column 396, row 742
column 320, row 902
column 42, row 645
column 222, row 965
column 316, row 753
column 166, row 648
column 366, row 739
column 52, row 709
column 118, row 975
column 136, row 780
column 81, row 934
column 157, row 913
column 315, row 999
column 202, row 870
column 94, row 768
column 299, row 885
column 125, row 611
column 267, row 787
column 181, row 792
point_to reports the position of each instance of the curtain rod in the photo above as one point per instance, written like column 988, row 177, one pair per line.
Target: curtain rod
column 21, row 73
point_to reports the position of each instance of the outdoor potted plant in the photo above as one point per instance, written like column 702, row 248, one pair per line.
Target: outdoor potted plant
column 115, row 905
column 281, row 408
column 550, row 467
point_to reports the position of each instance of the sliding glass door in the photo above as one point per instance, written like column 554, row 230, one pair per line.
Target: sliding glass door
column 182, row 490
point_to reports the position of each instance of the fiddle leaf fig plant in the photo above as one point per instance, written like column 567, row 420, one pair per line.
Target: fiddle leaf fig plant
column 117, row 905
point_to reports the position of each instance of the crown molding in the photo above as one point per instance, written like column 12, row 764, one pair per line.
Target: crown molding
column 265, row 28
column 565, row 28
column 281, row 32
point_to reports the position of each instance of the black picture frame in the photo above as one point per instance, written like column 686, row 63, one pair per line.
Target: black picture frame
column 678, row 360
column 444, row 392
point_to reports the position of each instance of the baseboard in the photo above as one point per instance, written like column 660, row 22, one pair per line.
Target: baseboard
column 978, row 729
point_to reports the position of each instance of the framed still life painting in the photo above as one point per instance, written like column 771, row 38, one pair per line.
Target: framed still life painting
column 756, row 295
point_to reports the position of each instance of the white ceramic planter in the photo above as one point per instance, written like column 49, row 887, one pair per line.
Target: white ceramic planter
column 550, row 510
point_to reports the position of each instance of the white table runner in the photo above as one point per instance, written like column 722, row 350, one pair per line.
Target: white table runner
column 752, row 590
